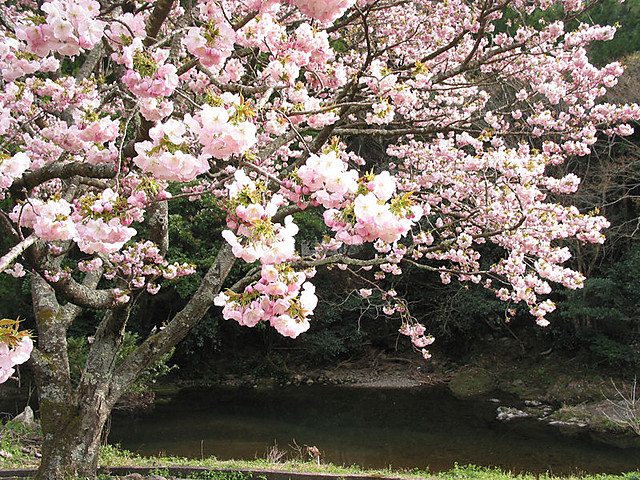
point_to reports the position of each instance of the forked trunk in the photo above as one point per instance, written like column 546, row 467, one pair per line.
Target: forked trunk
column 73, row 418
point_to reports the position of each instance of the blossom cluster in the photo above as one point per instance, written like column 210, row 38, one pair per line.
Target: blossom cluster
column 139, row 265
column 257, row 237
column 97, row 222
column 282, row 297
column 14, row 64
column 327, row 11
column 359, row 210
column 148, row 74
column 225, row 130
column 168, row 155
column 12, row 168
column 70, row 27
column 416, row 332
column 15, row 348
column 58, row 220
column 212, row 43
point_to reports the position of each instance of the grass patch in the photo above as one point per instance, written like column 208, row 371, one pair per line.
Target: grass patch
column 472, row 381
column 576, row 413
column 19, row 442
column 19, row 445
column 112, row 455
column 474, row 472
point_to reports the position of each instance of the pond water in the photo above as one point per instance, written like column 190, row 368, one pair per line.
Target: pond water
column 403, row 428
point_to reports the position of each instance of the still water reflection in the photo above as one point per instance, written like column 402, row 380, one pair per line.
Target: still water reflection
column 405, row 428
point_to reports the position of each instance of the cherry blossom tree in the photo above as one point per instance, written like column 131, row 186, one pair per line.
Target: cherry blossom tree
column 109, row 110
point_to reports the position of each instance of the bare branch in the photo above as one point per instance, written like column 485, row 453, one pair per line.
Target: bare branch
column 15, row 252
column 85, row 296
column 156, row 19
column 61, row 170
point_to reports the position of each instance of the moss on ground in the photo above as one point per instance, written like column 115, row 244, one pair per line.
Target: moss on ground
column 472, row 381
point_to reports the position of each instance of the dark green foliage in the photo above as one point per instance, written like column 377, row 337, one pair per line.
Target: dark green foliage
column 627, row 39
column 612, row 298
column 335, row 332
column 15, row 299
column 194, row 235
column 202, row 342
column 465, row 310
column 15, row 293
column 625, row 16
column 312, row 226
column 605, row 315
column 613, row 353
column 78, row 349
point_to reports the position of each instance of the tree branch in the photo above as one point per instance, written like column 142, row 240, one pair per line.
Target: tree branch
column 10, row 256
column 60, row 170
column 160, row 343
column 158, row 221
column 85, row 296
column 156, row 19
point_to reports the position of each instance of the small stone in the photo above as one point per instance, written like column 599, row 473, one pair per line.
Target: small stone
column 5, row 454
column 559, row 423
column 509, row 413
column 132, row 476
column 26, row 417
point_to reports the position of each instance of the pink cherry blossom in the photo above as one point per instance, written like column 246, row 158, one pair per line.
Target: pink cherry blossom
column 12, row 354
column 260, row 108
column 326, row 11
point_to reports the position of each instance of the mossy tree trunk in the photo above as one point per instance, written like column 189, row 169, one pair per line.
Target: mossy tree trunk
column 72, row 416
column 71, row 440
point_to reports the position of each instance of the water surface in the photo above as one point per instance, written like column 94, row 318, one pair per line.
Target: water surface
column 403, row 428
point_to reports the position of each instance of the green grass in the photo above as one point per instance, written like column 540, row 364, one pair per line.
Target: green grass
column 111, row 455
column 17, row 445
column 473, row 472
column 14, row 438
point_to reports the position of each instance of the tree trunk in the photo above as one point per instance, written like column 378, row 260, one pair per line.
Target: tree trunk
column 72, row 436
column 72, row 419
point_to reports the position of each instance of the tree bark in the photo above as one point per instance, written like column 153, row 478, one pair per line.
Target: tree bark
column 72, row 419
column 72, row 434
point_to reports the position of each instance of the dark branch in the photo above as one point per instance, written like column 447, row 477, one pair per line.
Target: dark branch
column 60, row 170
column 156, row 19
